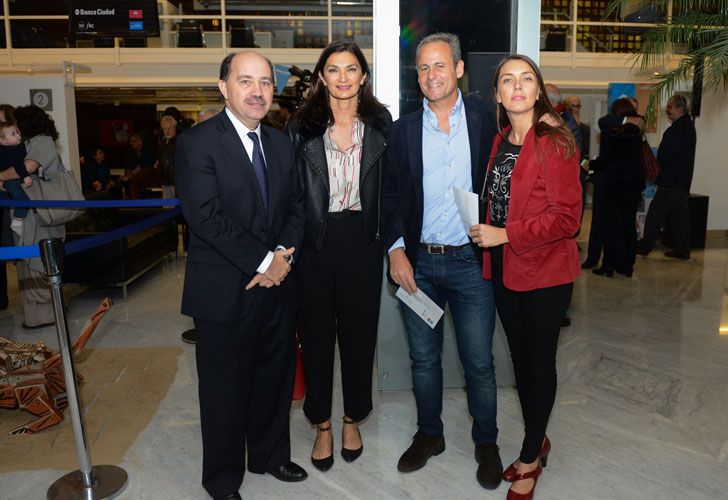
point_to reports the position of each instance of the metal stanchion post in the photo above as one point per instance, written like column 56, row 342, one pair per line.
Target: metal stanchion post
column 88, row 483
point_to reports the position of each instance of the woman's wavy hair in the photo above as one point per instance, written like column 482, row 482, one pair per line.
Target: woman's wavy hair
column 561, row 134
column 315, row 112
column 34, row 121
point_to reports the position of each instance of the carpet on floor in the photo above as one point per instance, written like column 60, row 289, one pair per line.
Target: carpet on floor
column 121, row 391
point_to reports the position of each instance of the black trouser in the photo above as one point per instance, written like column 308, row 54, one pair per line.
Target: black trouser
column 340, row 288
column 596, row 231
column 672, row 202
column 3, row 285
column 531, row 321
column 620, row 238
column 246, row 373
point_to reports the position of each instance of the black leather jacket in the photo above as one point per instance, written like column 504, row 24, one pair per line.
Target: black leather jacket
column 314, row 177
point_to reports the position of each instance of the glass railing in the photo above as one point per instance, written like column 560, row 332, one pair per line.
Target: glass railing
column 580, row 26
column 202, row 24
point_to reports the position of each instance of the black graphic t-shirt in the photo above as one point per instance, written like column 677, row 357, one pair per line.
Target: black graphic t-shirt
column 498, row 182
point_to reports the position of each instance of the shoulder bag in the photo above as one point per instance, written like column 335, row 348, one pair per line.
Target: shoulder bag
column 60, row 187
column 650, row 165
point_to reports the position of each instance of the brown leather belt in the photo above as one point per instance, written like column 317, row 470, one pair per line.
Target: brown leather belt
column 440, row 249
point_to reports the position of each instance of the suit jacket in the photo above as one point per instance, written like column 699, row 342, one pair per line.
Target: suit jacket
column 543, row 215
column 230, row 230
column 402, row 192
column 676, row 154
column 585, row 140
column 620, row 160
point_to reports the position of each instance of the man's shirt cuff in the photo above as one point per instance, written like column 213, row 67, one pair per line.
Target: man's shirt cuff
column 397, row 244
column 263, row 267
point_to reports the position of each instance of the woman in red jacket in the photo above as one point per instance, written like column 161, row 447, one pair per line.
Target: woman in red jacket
column 534, row 206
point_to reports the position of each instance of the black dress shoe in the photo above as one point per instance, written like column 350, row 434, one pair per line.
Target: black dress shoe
column 602, row 271
column 231, row 496
column 677, row 255
column 588, row 265
column 189, row 336
column 490, row 467
column 422, row 448
column 290, row 472
column 641, row 251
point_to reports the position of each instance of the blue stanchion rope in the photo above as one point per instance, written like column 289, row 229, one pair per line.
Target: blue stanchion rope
column 31, row 251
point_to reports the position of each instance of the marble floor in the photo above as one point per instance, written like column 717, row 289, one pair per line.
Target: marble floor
column 640, row 411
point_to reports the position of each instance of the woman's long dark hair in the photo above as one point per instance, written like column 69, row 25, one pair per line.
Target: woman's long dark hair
column 623, row 107
column 560, row 134
column 34, row 121
column 315, row 112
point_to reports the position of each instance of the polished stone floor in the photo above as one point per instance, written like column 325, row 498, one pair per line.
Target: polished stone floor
column 641, row 409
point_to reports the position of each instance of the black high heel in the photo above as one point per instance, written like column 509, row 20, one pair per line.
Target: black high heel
column 324, row 464
column 346, row 453
column 602, row 271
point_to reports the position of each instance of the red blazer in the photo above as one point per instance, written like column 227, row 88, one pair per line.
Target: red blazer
column 544, row 213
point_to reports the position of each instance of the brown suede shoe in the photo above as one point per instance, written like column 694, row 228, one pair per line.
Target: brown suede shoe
column 422, row 448
column 490, row 467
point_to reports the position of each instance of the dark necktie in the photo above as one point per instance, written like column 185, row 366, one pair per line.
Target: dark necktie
column 261, row 172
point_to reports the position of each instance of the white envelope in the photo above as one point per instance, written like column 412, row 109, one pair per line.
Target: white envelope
column 467, row 204
column 422, row 305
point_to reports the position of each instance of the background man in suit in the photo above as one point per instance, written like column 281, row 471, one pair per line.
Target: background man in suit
column 676, row 156
column 243, row 205
column 433, row 150
column 574, row 103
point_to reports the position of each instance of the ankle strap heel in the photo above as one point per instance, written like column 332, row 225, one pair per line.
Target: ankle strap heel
column 346, row 453
column 323, row 429
column 324, row 464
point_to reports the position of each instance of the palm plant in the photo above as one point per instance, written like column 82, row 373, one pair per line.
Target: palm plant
column 696, row 28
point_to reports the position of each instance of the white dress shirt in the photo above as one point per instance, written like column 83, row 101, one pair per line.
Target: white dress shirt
column 243, row 131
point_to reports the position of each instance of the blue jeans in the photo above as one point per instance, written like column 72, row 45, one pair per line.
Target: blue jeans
column 454, row 278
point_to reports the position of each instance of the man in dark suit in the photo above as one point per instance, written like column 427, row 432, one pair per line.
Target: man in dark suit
column 239, row 194
column 676, row 156
column 442, row 146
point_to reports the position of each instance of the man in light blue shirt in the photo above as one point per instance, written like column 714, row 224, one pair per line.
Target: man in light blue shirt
column 432, row 151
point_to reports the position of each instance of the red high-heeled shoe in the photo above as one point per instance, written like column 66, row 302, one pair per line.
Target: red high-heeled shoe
column 534, row 474
column 511, row 470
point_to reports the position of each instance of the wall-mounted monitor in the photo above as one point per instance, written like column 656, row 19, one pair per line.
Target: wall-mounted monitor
column 136, row 18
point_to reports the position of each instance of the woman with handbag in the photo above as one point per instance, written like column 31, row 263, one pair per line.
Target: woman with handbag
column 340, row 138
column 39, row 133
column 620, row 156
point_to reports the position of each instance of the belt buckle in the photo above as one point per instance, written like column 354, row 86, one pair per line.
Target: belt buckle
column 436, row 249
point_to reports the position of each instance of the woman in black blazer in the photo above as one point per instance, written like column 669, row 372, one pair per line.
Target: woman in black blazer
column 340, row 139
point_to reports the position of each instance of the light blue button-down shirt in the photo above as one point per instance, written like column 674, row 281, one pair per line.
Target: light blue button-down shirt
column 445, row 164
